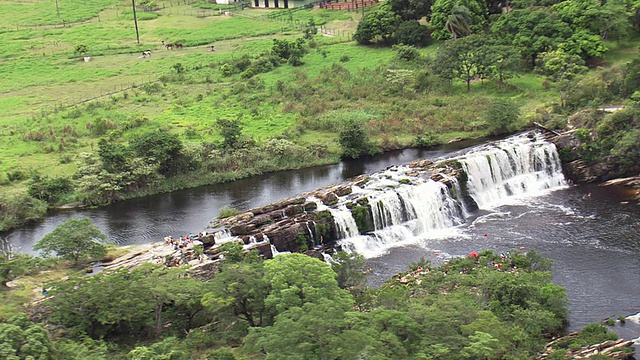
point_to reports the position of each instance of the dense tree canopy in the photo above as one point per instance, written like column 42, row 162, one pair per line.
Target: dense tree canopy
column 73, row 239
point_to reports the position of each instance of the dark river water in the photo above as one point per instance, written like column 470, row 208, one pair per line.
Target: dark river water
column 591, row 233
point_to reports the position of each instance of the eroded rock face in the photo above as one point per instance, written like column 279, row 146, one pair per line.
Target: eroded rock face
column 297, row 225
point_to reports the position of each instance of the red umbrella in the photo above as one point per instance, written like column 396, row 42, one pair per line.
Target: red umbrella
column 473, row 254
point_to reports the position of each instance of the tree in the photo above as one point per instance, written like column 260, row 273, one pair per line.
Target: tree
column 290, row 51
column 481, row 347
column 412, row 33
column 231, row 130
column 459, row 21
column 354, row 141
column 600, row 18
column 239, row 291
column 113, row 155
column 379, row 25
column 631, row 77
column 502, row 115
column 454, row 19
column 411, row 9
column 531, row 32
column 161, row 147
column 350, row 269
column 560, row 68
column 21, row 339
column 585, row 45
column 72, row 240
column 49, row 189
column 13, row 266
column 464, row 58
column 296, row 279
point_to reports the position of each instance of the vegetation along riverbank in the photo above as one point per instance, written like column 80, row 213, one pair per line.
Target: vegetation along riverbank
column 256, row 90
column 101, row 103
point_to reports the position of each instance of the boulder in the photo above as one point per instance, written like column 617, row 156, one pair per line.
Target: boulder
column 242, row 229
column 329, row 198
column 315, row 254
column 342, row 190
column 208, row 240
column 292, row 210
column 361, row 180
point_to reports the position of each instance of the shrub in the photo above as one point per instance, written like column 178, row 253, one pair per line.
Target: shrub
column 355, row 141
column 49, row 189
column 412, row 33
column 225, row 213
column 502, row 116
column 406, row 52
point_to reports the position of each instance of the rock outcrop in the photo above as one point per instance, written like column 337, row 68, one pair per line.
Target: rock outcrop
column 303, row 223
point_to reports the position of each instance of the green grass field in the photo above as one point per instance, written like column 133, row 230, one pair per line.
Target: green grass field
column 53, row 101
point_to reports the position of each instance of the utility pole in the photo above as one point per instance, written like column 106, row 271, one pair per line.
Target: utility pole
column 58, row 11
column 135, row 20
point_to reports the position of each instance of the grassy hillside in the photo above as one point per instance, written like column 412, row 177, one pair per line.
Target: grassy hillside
column 57, row 106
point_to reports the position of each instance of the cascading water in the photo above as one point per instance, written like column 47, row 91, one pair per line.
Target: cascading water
column 517, row 166
column 407, row 207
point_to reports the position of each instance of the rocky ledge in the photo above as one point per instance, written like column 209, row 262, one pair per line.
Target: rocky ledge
column 305, row 223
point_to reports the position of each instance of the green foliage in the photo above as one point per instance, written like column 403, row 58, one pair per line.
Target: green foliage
column 627, row 149
column 81, row 49
column 231, row 130
column 412, row 9
column 20, row 209
column 161, row 147
column 238, row 292
column 502, row 116
column 73, row 239
column 125, row 303
column 412, row 33
column 224, row 213
column 49, row 189
column 455, row 19
column 221, row 354
column 427, row 140
column 21, row 339
column 169, row 348
column 13, row 266
column 531, row 32
column 354, row 141
column 363, row 218
column 296, row 279
column 406, row 52
column 350, row 269
column 377, row 26
column 290, row 51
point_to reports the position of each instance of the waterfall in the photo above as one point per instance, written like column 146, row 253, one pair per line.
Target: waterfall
column 407, row 207
column 513, row 167
column 345, row 223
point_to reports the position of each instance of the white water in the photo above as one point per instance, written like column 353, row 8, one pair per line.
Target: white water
column 519, row 167
column 514, row 167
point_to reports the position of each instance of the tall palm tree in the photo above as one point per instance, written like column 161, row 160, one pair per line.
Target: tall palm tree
column 459, row 21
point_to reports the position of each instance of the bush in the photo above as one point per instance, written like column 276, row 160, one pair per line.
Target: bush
column 49, row 189
column 225, row 213
column 502, row 116
column 354, row 140
column 221, row 354
column 406, row 52
column 412, row 33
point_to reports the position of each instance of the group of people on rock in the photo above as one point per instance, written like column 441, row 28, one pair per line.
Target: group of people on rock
column 184, row 241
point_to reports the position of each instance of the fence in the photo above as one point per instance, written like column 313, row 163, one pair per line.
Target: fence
column 168, row 7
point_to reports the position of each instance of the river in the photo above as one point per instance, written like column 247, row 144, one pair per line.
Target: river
column 592, row 233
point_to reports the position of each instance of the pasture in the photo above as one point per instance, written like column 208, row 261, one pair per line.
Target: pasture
column 56, row 105
column 50, row 97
